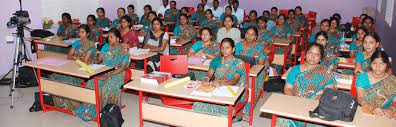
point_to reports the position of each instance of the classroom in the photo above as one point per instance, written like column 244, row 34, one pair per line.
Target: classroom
column 198, row 63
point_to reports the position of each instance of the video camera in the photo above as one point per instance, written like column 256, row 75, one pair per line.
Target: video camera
column 20, row 17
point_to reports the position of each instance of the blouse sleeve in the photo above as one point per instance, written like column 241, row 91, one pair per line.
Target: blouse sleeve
column 362, row 81
column 197, row 46
column 291, row 76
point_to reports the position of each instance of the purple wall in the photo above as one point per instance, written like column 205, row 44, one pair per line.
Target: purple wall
column 7, row 50
column 387, row 33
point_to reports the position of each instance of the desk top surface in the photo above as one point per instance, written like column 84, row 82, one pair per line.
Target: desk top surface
column 297, row 107
column 70, row 68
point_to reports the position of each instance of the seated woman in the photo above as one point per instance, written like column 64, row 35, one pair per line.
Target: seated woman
column 116, row 23
column 184, row 11
column 280, row 32
column 172, row 14
column 227, row 70
column 324, row 26
column 376, row 90
column 308, row 80
column 112, row 54
column 228, row 30
column 65, row 31
column 83, row 49
column 274, row 14
column 266, row 15
column 102, row 21
column 132, row 15
column 147, row 25
column 300, row 17
column 264, row 35
column 198, row 15
column 210, row 22
column 228, row 12
column 251, row 48
column 331, row 50
column 334, row 33
column 370, row 45
column 95, row 32
column 368, row 23
column 145, row 17
column 293, row 22
column 207, row 49
column 184, row 32
column 157, row 40
column 129, row 36
column 357, row 44
column 252, row 20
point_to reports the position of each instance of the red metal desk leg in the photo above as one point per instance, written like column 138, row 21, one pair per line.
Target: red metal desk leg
column 230, row 115
column 273, row 124
column 145, row 65
column 97, row 100
column 41, row 92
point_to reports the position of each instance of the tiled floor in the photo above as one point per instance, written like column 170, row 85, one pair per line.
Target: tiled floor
column 19, row 116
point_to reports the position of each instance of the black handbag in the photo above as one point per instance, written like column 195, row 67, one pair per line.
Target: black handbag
column 335, row 105
column 110, row 116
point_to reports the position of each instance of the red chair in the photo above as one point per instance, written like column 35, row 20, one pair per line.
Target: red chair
column 312, row 14
column 101, row 36
column 355, row 21
column 272, row 54
column 190, row 10
column 244, row 16
column 175, row 64
column 240, row 106
column 352, row 92
column 166, row 28
column 284, row 12
column 302, row 58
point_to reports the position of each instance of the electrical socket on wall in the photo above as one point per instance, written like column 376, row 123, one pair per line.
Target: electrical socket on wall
column 9, row 39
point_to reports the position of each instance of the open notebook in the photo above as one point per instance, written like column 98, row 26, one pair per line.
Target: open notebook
column 222, row 91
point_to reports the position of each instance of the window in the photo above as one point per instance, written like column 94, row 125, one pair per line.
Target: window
column 77, row 8
column 379, row 6
column 389, row 12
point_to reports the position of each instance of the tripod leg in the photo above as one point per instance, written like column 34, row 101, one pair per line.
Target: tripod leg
column 15, row 67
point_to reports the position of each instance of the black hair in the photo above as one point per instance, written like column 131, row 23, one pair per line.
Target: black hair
column 200, row 5
column 265, row 19
column 152, row 12
column 335, row 19
column 121, row 8
column 298, row 7
column 116, row 33
column 274, row 8
column 85, row 27
column 368, row 18
column 229, row 40
column 253, row 28
column 232, row 19
column 102, row 9
column 210, row 11
column 228, row 7
column 236, row 1
column 185, row 15
column 337, row 15
column 320, row 48
column 280, row 16
column 253, row 11
column 149, row 7
column 361, row 28
column 158, row 20
column 325, row 20
column 208, row 29
column 127, row 18
column 68, row 16
column 365, row 15
column 292, row 10
column 92, row 17
column 383, row 56
column 173, row 2
column 374, row 35
column 131, row 6
column 322, row 33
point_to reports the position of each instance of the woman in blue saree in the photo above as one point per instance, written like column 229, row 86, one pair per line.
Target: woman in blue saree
column 184, row 33
column 210, row 22
column 226, row 69
column 376, row 89
column 102, row 20
column 331, row 50
column 308, row 80
column 112, row 54
column 370, row 44
column 252, row 20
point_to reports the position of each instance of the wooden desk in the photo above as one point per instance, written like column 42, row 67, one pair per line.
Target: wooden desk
column 143, row 57
column 65, row 90
column 297, row 108
column 181, row 117
column 55, row 41
column 285, row 43
column 180, row 45
column 255, row 70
